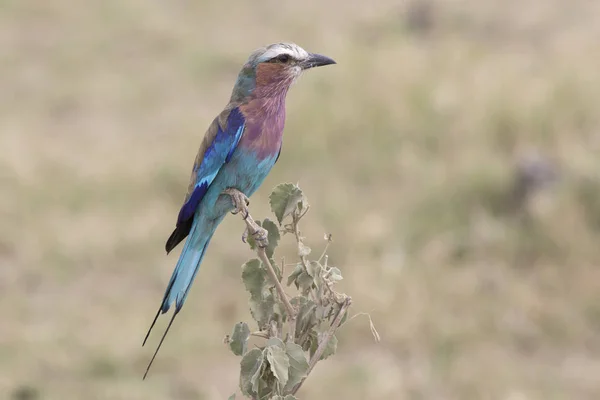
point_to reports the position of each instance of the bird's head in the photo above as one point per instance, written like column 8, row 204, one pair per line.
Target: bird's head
column 271, row 70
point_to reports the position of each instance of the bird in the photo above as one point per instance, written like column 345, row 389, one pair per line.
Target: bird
column 237, row 152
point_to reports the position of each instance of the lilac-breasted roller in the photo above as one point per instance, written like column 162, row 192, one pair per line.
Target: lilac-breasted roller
column 239, row 149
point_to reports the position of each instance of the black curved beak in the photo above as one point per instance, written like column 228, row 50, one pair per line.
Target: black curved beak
column 316, row 60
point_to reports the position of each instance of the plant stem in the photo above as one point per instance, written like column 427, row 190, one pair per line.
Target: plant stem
column 288, row 306
column 330, row 332
column 303, row 259
column 254, row 229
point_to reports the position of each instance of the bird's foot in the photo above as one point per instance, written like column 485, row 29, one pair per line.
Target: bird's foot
column 240, row 201
column 240, row 204
column 260, row 236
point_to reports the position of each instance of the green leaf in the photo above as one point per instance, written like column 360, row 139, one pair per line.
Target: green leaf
column 317, row 272
column 274, row 341
column 251, row 241
column 277, row 270
column 304, row 282
column 305, row 320
column 232, row 397
column 280, row 312
column 279, row 363
column 288, row 397
column 273, row 236
column 250, row 368
column 254, row 278
column 335, row 274
column 345, row 318
column 262, row 302
column 299, row 301
column 331, row 347
column 285, row 200
column 258, row 384
column 295, row 274
column 303, row 206
column 323, row 312
column 312, row 342
column 262, row 310
column 314, row 268
column 298, row 365
column 239, row 338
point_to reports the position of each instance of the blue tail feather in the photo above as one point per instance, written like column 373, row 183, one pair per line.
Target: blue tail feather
column 181, row 279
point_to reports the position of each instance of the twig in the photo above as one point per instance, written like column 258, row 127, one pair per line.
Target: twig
column 324, row 253
column 303, row 259
column 323, row 345
column 374, row 332
column 292, row 321
column 261, row 244
column 265, row 260
column 299, row 240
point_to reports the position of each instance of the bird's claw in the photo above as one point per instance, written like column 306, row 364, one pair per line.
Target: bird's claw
column 240, row 204
column 240, row 201
column 260, row 236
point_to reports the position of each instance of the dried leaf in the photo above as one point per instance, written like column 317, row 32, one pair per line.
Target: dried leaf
column 238, row 342
column 335, row 274
column 284, row 200
column 303, row 250
column 279, row 363
column 250, row 371
column 373, row 330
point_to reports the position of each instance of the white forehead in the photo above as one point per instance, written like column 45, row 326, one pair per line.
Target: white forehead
column 290, row 49
column 274, row 50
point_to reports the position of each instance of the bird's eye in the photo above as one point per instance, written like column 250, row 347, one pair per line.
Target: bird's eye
column 283, row 58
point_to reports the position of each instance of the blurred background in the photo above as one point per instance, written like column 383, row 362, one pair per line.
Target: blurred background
column 453, row 154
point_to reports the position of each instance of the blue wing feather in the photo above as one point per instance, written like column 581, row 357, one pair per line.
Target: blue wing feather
column 217, row 153
column 189, row 208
